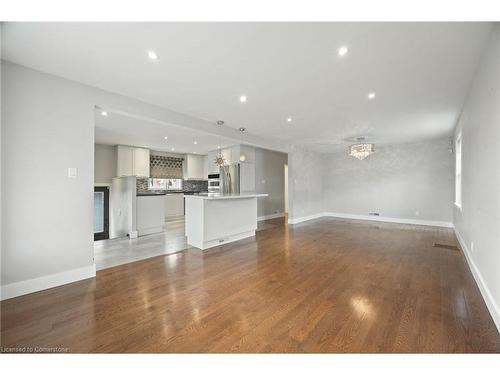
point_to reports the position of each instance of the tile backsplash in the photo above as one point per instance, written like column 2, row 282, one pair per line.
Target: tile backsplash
column 191, row 185
column 142, row 185
column 187, row 185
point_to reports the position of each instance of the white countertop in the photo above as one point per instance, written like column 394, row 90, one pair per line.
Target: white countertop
column 216, row 196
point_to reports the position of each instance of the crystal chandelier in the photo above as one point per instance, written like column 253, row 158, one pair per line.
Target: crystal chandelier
column 361, row 150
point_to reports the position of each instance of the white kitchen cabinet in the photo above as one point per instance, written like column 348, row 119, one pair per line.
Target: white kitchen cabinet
column 193, row 167
column 205, row 167
column 174, row 205
column 141, row 162
column 150, row 215
column 132, row 161
column 124, row 161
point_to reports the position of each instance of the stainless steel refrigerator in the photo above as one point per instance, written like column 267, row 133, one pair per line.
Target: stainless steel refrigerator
column 237, row 178
column 230, row 179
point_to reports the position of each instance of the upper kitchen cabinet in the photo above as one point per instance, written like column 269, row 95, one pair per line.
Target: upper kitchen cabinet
column 132, row 161
column 195, row 167
column 141, row 162
column 205, row 167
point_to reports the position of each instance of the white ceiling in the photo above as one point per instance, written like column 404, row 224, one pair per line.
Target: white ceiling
column 419, row 71
column 125, row 129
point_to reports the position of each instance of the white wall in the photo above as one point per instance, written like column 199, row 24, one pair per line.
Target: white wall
column 1, row 152
column 305, row 184
column 270, row 179
column 48, row 126
column 104, row 163
column 478, row 222
column 47, row 223
column 406, row 181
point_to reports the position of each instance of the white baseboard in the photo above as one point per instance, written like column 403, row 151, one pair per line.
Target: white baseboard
column 483, row 287
column 45, row 282
column 445, row 224
column 372, row 218
column 218, row 242
column 272, row 216
column 147, row 231
column 305, row 218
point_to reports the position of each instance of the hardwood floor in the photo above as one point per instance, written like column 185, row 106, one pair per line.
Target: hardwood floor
column 321, row 286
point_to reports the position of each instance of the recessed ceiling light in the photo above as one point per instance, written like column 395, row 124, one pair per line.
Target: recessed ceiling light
column 152, row 55
column 173, row 149
column 166, row 137
column 371, row 95
column 218, row 147
column 195, row 142
column 342, row 51
column 289, row 119
column 243, row 98
column 104, row 113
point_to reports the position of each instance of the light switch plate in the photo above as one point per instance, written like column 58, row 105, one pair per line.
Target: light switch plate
column 72, row 172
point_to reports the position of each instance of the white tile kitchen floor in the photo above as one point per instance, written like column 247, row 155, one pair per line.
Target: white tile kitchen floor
column 110, row 253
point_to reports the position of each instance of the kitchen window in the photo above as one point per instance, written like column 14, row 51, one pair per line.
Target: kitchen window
column 165, row 184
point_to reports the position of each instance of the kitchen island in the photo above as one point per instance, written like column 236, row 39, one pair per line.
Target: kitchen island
column 215, row 219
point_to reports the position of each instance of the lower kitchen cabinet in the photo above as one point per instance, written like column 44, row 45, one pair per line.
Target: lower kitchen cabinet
column 174, row 205
column 149, row 215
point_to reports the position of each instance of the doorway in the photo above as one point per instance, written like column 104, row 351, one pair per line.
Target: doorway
column 101, row 213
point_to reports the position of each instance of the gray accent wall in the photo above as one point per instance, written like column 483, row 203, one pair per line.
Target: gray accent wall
column 405, row 181
column 305, row 184
column 477, row 222
column 270, row 179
